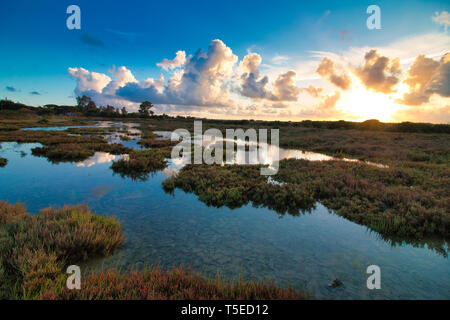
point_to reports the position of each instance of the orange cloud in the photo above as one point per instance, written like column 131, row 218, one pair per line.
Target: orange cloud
column 327, row 70
column 425, row 78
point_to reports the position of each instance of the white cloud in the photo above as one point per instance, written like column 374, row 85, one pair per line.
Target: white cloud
column 279, row 59
column 442, row 19
column 213, row 84
column 178, row 61
column 89, row 81
column 202, row 82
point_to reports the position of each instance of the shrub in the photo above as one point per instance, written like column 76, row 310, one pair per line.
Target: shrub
column 9, row 212
column 140, row 163
column 35, row 249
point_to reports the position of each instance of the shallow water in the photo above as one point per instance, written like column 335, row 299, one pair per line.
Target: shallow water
column 304, row 251
column 61, row 128
column 257, row 153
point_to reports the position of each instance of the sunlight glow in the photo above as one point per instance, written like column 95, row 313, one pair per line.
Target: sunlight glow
column 364, row 104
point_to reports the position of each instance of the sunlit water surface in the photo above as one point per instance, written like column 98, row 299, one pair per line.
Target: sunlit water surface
column 306, row 251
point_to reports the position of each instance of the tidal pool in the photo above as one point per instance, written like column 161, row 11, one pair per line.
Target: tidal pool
column 306, row 251
column 257, row 153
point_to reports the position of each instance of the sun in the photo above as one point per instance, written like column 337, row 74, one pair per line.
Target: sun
column 363, row 104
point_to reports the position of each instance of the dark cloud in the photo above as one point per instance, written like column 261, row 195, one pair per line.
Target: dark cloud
column 91, row 40
column 379, row 73
column 11, row 89
column 35, row 93
column 252, row 86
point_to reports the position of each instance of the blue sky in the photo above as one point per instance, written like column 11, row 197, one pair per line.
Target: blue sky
column 38, row 49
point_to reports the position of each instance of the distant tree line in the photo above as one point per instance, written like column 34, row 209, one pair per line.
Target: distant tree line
column 87, row 107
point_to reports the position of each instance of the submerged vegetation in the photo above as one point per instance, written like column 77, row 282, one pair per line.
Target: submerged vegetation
column 408, row 201
column 3, row 162
column 36, row 249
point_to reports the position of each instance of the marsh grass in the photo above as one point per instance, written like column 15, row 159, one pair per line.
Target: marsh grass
column 153, row 143
column 60, row 146
column 9, row 212
column 141, row 163
column 77, row 152
column 384, row 147
column 153, row 283
column 35, row 249
column 410, row 198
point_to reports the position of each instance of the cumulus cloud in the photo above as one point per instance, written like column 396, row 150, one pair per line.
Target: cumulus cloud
column 313, row 91
column 284, row 88
column 329, row 102
column 101, row 87
column 325, row 105
column 442, row 19
column 254, row 86
column 426, row 77
column 178, row 61
column 328, row 70
column 122, row 76
column 379, row 73
column 201, row 83
column 250, row 85
column 325, row 108
column 211, row 83
column 88, row 81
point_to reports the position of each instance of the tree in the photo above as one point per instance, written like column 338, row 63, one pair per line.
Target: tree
column 144, row 108
column 124, row 111
column 110, row 109
column 83, row 101
column 91, row 107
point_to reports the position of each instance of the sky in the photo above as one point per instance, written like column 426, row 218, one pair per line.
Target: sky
column 285, row 60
